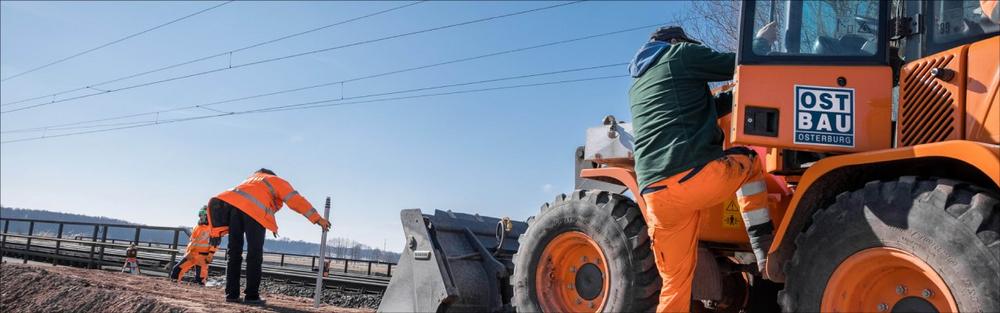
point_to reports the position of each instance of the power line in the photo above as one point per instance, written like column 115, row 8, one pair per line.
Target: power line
column 289, row 56
column 224, row 53
column 339, row 101
column 114, row 42
column 331, row 83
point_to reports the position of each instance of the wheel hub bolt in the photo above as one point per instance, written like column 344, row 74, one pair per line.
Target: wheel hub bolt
column 584, row 259
column 578, row 300
column 570, row 286
column 572, row 269
column 927, row 293
column 591, row 304
column 901, row 290
column 882, row 307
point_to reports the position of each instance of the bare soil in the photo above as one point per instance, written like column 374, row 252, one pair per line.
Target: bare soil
column 45, row 288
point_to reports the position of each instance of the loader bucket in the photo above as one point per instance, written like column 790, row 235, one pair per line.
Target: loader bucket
column 453, row 262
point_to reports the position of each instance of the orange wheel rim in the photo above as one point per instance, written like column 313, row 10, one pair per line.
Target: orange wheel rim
column 572, row 275
column 885, row 280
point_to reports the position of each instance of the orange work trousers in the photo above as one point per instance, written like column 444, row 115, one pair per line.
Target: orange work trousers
column 195, row 259
column 673, row 211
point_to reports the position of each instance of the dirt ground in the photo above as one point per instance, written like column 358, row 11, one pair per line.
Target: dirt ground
column 45, row 288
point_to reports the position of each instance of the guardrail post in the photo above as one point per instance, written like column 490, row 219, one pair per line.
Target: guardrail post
column 313, row 266
column 345, row 265
column 58, row 242
column 173, row 247
column 389, row 271
column 369, row 268
column 104, row 239
column 3, row 243
column 31, row 232
column 137, row 229
column 93, row 240
column 282, row 259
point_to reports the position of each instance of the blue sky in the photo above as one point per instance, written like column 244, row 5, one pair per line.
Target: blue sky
column 497, row 153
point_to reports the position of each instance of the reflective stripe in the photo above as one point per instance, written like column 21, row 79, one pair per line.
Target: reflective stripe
column 201, row 245
column 756, row 217
column 269, row 188
column 254, row 200
column 290, row 195
column 751, row 188
column 311, row 212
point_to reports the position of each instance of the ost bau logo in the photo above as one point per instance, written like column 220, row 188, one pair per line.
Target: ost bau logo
column 824, row 116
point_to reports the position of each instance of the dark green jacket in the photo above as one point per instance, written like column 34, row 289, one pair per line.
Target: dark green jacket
column 673, row 111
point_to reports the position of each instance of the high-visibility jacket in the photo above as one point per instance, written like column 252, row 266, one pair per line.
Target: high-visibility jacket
column 199, row 241
column 262, row 195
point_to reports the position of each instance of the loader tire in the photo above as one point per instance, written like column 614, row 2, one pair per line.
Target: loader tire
column 908, row 245
column 586, row 252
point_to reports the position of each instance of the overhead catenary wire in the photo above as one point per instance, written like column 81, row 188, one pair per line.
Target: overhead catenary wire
column 225, row 68
column 225, row 53
column 64, row 59
column 207, row 105
column 345, row 98
column 343, row 101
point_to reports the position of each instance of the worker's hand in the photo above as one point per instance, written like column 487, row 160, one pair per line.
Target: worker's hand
column 325, row 224
column 769, row 32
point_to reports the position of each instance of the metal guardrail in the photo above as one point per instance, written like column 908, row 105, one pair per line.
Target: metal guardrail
column 96, row 249
column 369, row 264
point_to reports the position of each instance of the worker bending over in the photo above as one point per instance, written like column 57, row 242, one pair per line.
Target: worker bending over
column 246, row 211
column 679, row 160
column 199, row 251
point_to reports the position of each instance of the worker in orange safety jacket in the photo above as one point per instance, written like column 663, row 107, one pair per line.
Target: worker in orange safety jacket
column 199, row 251
column 247, row 211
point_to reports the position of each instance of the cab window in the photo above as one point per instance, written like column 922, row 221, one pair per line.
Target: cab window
column 953, row 23
column 813, row 31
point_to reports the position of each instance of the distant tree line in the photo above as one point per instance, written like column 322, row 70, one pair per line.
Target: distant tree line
column 337, row 247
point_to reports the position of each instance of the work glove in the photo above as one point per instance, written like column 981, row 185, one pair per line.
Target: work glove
column 325, row 224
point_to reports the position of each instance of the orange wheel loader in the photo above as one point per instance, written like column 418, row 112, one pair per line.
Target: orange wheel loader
column 880, row 123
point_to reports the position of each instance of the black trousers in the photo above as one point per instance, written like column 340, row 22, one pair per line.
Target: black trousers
column 241, row 226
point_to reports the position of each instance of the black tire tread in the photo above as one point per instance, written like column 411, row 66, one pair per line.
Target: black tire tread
column 976, row 208
column 628, row 218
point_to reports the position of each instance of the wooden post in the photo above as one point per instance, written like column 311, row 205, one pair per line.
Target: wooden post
column 104, row 239
column 322, row 253
column 137, row 230
column 173, row 247
column 282, row 259
column 345, row 265
column 27, row 248
column 93, row 244
column 369, row 268
column 58, row 242
column 3, row 243
column 389, row 271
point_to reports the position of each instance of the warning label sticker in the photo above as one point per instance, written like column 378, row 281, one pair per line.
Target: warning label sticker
column 731, row 215
column 824, row 116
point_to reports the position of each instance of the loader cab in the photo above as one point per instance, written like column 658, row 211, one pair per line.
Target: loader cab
column 864, row 75
column 823, row 86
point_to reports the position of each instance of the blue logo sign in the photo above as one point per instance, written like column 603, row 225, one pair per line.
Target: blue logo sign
column 824, row 116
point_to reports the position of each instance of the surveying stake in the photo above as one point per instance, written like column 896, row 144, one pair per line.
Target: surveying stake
column 322, row 253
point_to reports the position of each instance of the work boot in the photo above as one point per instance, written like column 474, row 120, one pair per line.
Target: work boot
column 254, row 301
column 233, row 300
